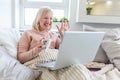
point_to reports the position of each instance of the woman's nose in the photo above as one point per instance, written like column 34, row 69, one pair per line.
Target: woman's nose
column 49, row 20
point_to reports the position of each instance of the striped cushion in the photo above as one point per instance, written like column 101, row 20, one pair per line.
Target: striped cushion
column 44, row 56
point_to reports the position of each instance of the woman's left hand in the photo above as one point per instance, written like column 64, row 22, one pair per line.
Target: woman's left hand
column 64, row 27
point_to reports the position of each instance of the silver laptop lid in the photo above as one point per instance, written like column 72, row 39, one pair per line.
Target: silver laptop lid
column 78, row 47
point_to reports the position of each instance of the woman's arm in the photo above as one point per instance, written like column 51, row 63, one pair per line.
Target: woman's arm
column 24, row 53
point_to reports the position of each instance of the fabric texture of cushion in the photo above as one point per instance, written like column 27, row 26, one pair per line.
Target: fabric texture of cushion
column 45, row 56
column 112, row 49
column 110, row 34
column 9, row 38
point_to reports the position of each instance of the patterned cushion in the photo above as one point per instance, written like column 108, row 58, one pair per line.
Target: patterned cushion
column 112, row 49
column 44, row 56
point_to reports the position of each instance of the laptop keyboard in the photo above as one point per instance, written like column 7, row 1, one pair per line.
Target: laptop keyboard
column 47, row 65
column 47, row 56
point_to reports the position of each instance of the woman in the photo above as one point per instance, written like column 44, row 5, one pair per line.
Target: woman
column 32, row 41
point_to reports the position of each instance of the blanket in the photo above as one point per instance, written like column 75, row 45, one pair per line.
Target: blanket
column 74, row 72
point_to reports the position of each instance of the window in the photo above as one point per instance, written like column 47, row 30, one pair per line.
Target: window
column 29, row 8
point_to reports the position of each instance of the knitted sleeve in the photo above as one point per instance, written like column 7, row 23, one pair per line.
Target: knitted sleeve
column 24, row 53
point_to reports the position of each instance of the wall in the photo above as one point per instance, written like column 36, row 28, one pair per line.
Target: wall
column 78, row 26
column 108, row 9
column 7, row 16
column 5, row 13
column 73, row 24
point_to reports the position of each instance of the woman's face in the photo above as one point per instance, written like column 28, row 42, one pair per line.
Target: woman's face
column 46, row 21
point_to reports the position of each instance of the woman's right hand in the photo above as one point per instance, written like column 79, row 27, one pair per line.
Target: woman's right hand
column 40, row 44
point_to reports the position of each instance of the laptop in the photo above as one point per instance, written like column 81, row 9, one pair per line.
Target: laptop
column 76, row 48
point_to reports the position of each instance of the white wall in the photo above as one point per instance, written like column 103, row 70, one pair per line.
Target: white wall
column 73, row 8
column 5, row 13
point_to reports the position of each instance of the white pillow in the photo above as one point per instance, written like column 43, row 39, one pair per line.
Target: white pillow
column 11, row 69
column 112, row 49
column 9, row 38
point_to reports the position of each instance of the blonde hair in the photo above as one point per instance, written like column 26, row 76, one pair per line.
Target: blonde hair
column 40, row 13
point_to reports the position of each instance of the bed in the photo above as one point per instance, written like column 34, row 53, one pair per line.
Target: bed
column 107, row 59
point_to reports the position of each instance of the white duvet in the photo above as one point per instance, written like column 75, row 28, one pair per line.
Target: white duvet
column 11, row 69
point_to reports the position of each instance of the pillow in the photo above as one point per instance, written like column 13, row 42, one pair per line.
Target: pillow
column 101, row 56
column 3, row 51
column 9, row 38
column 110, row 34
column 112, row 49
column 11, row 69
column 45, row 56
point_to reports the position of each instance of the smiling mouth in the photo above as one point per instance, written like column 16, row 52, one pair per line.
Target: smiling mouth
column 47, row 25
